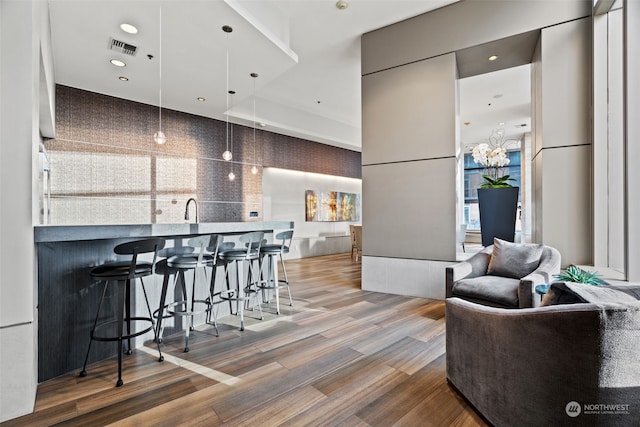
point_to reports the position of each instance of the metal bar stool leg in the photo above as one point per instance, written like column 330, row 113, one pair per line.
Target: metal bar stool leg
column 127, row 307
column 276, row 282
column 121, row 308
column 160, row 312
column 253, row 281
column 286, row 279
column 240, row 304
column 83, row 373
column 155, row 334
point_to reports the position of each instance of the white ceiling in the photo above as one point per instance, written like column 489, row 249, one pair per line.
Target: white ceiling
column 306, row 52
column 499, row 101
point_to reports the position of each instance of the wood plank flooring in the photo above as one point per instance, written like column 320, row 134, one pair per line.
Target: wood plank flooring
column 339, row 356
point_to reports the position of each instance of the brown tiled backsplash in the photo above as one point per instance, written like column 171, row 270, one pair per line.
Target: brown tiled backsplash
column 106, row 168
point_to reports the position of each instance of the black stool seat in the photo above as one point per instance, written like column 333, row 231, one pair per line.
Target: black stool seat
column 123, row 273
column 121, row 270
column 275, row 248
column 189, row 261
column 239, row 254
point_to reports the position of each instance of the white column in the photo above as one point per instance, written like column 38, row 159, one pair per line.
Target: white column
column 632, row 137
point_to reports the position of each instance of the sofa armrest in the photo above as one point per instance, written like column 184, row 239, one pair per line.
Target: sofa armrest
column 549, row 265
column 475, row 266
column 514, row 365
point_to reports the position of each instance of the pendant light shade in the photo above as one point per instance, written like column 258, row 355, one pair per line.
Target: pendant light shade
column 159, row 137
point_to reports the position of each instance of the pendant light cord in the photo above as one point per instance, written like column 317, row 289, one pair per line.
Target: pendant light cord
column 254, row 120
column 227, row 112
column 160, row 74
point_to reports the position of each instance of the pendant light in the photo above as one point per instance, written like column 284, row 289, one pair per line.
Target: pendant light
column 231, row 175
column 159, row 137
column 254, row 168
column 227, row 155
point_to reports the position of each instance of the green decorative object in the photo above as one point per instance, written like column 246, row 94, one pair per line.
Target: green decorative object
column 578, row 275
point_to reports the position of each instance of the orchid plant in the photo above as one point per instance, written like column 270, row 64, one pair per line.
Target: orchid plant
column 494, row 159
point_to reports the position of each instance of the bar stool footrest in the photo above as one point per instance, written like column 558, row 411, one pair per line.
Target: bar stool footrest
column 173, row 313
column 103, row 338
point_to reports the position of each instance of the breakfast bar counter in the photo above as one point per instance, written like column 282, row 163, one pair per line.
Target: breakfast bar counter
column 67, row 296
column 69, row 233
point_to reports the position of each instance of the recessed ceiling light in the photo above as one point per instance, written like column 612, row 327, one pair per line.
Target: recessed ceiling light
column 201, row 99
column 263, row 124
column 493, row 57
column 501, row 124
column 342, row 5
column 118, row 63
column 128, row 28
column 123, row 78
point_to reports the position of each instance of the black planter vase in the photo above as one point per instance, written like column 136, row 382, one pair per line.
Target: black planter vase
column 498, row 208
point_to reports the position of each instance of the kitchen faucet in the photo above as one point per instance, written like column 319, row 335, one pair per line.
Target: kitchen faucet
column 186, row 210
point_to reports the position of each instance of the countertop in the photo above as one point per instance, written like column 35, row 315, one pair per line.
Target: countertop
column 69, row 233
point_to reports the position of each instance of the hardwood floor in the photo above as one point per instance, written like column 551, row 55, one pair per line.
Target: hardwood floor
column 339, row 356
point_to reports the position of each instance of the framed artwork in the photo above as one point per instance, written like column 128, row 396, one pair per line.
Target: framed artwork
column 331, row 206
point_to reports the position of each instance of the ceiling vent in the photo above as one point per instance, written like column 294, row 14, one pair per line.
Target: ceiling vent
column 122, row 47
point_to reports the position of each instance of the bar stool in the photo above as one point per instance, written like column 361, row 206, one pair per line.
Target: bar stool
column 269, row 255
column 123, row 273
column 244, row 287
column 164, row 270
column 178, row 265
column 219, row 262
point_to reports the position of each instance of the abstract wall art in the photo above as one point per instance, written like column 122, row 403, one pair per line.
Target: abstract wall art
column 332, row 206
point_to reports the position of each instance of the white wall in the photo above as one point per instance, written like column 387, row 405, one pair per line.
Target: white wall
column 562, row 149
column 284, row 199
column 405, row 104
column 24, row 40
column 409, row 141
column 632, row 137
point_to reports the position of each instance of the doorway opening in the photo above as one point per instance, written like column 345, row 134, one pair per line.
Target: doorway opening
column 495, row 109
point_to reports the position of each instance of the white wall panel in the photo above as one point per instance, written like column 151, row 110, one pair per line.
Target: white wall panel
column 562, row 163
column 408, row 113
column 410, row 210
column 632, row 137
column 566, row 204
column 419, row 278
column 460, row 25
column 566, row 84
column 20, row 39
